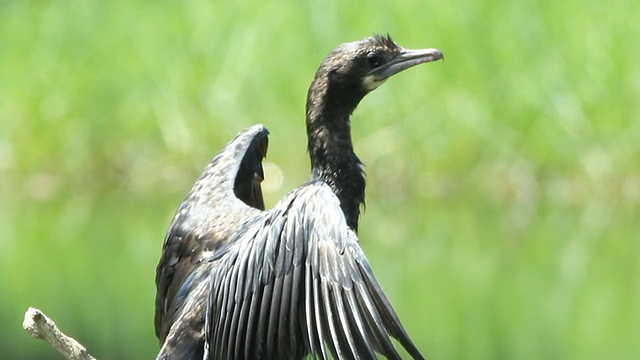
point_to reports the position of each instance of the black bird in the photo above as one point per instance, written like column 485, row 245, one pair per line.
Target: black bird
column 236, row 281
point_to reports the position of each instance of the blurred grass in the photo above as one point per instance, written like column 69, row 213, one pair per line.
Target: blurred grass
column 503, row 195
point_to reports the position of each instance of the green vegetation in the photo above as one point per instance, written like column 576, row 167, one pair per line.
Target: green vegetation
column 503, row 200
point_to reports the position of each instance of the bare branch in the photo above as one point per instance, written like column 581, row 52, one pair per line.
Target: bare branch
column 41, row 327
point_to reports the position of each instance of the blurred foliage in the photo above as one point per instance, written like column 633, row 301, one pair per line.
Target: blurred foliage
column 503, row 199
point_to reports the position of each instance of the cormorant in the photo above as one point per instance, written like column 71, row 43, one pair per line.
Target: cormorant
column 236, row 281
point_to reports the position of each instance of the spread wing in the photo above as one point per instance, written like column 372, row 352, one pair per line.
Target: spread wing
column 294, row 281
column 223, row 197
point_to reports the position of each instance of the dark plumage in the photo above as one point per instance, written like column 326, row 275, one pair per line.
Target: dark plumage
column 235, row 281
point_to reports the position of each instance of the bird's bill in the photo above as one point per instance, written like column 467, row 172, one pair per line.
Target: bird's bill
column 404, row 60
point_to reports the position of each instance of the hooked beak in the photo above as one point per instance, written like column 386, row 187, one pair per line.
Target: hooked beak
column 404, row 60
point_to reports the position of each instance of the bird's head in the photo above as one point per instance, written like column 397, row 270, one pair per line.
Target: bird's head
column 354, row 69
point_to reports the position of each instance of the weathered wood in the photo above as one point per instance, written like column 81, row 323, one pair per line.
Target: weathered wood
column 41, row 327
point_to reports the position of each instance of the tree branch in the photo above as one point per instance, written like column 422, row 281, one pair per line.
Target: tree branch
column 39, row 326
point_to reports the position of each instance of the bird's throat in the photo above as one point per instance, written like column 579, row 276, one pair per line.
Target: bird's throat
column 334, row 163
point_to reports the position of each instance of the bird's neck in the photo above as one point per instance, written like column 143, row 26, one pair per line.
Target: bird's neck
column 331, row 151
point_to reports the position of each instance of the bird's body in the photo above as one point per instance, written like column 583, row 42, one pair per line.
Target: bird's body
column 236, row 281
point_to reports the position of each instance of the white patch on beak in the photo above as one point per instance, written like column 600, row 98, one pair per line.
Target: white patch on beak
column 370, row 83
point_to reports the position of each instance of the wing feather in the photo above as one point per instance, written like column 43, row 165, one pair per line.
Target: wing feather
column 365, row 349
column 274, row 315
column 344, row 324
column 335, row 343
column 319, row 313
column 252, row 328
column 224, row 316
column 242, row 326
column 265, row 306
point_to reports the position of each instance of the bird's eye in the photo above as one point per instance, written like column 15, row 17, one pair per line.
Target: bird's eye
column 374, row 59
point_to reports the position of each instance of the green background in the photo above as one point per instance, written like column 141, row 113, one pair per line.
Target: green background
column 503, row 198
